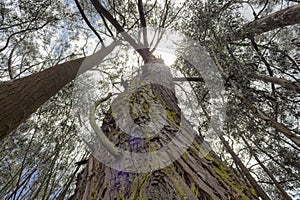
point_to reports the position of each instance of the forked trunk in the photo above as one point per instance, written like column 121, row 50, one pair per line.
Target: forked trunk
column 196, row 174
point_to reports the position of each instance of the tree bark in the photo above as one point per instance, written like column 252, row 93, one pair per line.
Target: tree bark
column 21, row 97
column 279, row 19
column 197, row 174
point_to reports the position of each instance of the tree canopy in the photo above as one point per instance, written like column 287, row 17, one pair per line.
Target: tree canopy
column 254, row 44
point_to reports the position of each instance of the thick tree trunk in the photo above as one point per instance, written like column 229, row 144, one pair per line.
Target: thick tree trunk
column 21, row 97
column 197, row 174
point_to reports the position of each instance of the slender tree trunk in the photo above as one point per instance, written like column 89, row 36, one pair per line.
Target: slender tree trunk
column 21, row 97
column 281, row 18
column 244, row 170
column 279, row 187
column 279, row 81
column 272, row 157
column 197, row 174
column 293, row 136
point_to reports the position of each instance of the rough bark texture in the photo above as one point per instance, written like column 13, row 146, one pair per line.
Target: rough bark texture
column 197, row 174
column 21, row 97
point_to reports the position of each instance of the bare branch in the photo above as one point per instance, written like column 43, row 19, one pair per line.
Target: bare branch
column 106, row 26
column 265, row 6
column 164, row 18
column 109, row 146
column 22, row 31
column 142, row 14
column 279, row 81
column 267, row 64
column 194, row 79
column 9, row 61
column 146, row 55
column 88, row 22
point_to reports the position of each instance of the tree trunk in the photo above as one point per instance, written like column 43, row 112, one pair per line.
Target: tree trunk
column 268, row 172
column 244, row 170
column 279, row 81
column 22, row 97
column 292, row 135
column 196, row 174
column 281, row 18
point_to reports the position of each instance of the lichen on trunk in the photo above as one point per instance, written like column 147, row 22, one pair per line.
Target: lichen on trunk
column 197, row 174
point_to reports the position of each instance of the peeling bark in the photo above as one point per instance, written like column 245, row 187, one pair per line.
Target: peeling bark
column 197, row 174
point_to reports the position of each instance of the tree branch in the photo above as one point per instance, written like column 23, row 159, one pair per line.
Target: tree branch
column 146, row 55
column 279, row 81
column 110, row 147
column 292, row 135
column 88, row 22
column 142, row 14
column 195, row 79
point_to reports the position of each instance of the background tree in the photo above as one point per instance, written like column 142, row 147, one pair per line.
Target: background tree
column 264, row 110
column 233, row 57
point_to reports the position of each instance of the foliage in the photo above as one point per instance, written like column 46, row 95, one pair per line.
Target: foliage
column 274, row 54
column 38, row 158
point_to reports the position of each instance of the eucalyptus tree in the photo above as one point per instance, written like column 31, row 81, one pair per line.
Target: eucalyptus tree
column 38, row 157
column 198, row 173
column 261, row 69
